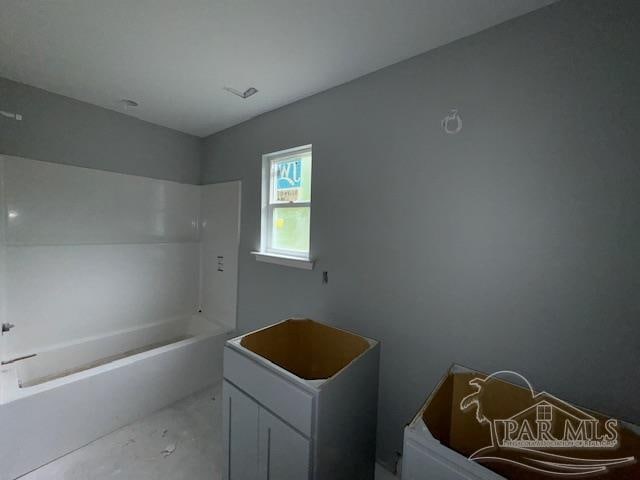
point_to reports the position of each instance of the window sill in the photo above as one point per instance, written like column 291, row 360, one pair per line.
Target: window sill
column 284, row 260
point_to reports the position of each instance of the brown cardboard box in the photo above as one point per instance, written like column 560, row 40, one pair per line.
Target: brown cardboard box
column 306, row 348
column 468, row 415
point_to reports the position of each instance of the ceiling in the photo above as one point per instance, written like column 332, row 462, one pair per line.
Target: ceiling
column 174, row 57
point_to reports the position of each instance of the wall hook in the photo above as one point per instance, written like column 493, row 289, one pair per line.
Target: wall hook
column 452, row 123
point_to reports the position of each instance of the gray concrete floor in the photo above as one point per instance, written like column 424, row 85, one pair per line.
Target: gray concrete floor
column 183, row 441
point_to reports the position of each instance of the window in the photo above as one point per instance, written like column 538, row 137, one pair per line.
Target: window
column 544, row 413
column 286, row 207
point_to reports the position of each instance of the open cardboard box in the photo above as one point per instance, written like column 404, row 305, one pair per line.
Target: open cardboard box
column 308, row 349
column 465, row 416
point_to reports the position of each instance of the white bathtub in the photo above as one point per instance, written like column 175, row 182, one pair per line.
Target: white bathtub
column 69, row 395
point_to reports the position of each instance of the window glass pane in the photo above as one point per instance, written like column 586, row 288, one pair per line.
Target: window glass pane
column 291, row 179
column 290, row 230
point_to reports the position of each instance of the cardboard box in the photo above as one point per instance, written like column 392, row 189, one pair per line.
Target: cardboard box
column 511, row 431
column 308, row 349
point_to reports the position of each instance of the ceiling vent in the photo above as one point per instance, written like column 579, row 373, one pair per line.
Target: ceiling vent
column 128, row 104
column 246, row 94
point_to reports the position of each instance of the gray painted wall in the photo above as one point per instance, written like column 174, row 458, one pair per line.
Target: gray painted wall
column 62, row 130
column 513, row 245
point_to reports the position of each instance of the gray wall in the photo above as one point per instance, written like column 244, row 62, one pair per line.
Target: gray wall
column 62, row 130
column 513, row 245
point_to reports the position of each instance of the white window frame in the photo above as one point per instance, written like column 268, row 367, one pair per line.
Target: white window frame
column 267, row 253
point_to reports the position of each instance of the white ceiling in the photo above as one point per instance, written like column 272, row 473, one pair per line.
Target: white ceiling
column 175, row 56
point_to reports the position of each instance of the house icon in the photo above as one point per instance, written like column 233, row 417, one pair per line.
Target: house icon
column 549, row 418
column 546, row 435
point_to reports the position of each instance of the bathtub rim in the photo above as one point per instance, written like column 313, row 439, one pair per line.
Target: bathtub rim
column 9, row 378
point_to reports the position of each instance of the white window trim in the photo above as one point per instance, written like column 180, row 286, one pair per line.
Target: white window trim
column 266, row 253
column 286, row 261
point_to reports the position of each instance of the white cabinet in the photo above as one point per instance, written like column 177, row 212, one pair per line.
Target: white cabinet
column 240, row 426
column 259, row 444
column 318, row 423
column 283, row 452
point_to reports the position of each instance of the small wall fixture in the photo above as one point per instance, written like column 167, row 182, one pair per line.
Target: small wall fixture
column 11, row 115
column 452, row 123
column 128, row 104
column 246, row 94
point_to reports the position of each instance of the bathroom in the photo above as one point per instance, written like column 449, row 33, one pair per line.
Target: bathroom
column 111, row 283
column 453, row 182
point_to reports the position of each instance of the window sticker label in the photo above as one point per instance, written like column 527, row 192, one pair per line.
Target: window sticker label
column 288, row 180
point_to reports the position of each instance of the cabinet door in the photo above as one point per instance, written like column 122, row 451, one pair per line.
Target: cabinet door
column 240, row 432
column 284, row 453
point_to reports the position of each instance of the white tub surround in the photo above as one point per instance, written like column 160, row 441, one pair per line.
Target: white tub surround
column 90, row 252
column 219, row 240
column 122, row 290
column 58, row 294
column 55, row 204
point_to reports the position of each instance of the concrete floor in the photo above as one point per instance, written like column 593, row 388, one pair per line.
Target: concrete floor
column 182, row 441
